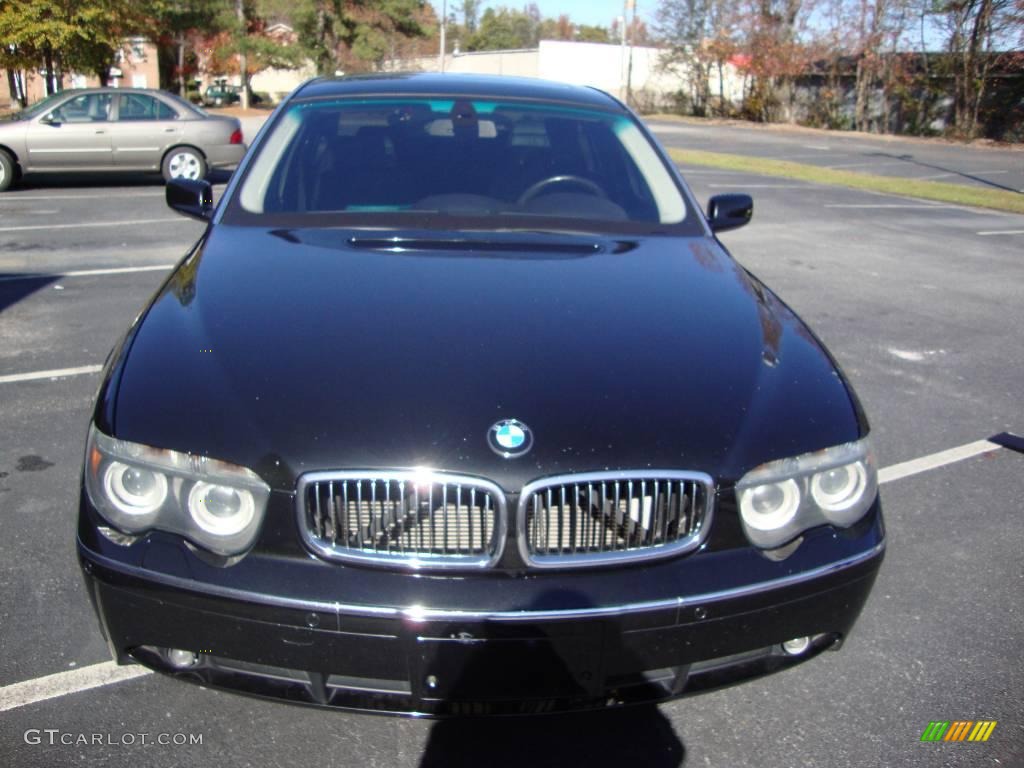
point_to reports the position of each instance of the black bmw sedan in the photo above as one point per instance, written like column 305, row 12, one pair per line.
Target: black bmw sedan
column 459, row 407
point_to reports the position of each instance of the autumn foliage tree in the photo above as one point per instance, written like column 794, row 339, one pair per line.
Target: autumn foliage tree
column 65, row 35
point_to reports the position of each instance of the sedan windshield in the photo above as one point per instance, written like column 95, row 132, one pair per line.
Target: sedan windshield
column 460, row 157
column 40, row 106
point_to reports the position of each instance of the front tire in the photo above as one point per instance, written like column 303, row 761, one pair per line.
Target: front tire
column 184, row 163
column 8, row 171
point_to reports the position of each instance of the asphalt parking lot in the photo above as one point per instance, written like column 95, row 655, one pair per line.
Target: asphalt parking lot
column 922, row 305
column 978, row 166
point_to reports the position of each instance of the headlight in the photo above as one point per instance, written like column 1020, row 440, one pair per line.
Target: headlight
column 779, row 500
column 214, row 504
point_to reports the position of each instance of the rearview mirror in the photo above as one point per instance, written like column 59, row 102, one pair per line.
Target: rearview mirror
column 729, row 211
column 191, row 198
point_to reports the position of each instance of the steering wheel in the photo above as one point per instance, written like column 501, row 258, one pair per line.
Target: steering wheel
column 535, row 189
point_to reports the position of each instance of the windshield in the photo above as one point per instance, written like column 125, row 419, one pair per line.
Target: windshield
column 40, row 106
column 510, row 159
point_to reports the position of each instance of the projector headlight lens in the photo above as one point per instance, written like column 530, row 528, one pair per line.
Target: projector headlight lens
column 138, row 488
column 220, row 509
column 781, row 499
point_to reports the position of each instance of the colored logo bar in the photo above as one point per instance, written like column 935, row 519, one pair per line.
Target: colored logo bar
column 958, row 730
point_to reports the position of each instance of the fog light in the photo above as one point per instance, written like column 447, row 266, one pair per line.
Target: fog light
column 180, row 659
column 796, row 646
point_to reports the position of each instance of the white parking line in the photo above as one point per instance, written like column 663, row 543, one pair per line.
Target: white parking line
column 63, row 683
column 85, row 272
column 16, row 198
column 164, row 220
column 935, row 460
column 1001, row 232
column 56, row 373
column 927, row 206
column 107, row 672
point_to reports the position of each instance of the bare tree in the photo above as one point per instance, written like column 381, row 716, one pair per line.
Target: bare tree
column 975, row 27
column 700, row 38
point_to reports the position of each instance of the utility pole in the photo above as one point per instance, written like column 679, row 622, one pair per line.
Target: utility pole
column 622, row 51
column 444, row 25
column 243, row 63
column 629, row 68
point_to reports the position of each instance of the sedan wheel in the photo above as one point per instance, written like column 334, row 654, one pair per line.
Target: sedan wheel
column 6, row 171
column 184, row 164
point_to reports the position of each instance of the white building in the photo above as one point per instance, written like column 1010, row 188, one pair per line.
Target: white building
column 600, row 65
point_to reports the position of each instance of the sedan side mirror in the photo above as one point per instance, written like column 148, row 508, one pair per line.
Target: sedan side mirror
column 191, row 198
column 729, row 211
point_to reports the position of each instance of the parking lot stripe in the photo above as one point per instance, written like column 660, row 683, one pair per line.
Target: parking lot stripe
column 85, row 272
column 1002, row 232
column 89, row 224
column 936, row 460
column 16, row 198
column 63, row 683
column 924, row 206
column 56, row 373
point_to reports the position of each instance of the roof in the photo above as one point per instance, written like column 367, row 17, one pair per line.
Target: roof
column 111, row 89
column 458, row 85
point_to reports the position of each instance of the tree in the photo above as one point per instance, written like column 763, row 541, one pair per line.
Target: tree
column 470, row 10
column 592, row 33
column 180, row 23
column 556, row 29
column 61, row 35
column 774, row 41
column 354, row 34
column 974, row 28
column 504, row 28
column 699, row 34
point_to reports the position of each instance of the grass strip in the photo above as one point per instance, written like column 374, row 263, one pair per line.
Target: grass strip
column 958, row 194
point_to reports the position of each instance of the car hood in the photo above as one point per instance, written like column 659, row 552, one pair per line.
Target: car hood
column 296, row 350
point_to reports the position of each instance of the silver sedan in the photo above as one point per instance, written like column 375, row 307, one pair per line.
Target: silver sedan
column 117, row 129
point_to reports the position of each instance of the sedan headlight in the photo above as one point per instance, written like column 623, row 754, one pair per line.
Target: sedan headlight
column 780, row 499
column 136, row 488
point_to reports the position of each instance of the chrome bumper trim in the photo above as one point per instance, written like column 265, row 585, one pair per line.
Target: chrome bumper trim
column 417, row 613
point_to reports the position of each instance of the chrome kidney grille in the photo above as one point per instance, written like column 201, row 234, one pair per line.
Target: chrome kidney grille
column 424, row 519
column 605, row 517
column 406, row 518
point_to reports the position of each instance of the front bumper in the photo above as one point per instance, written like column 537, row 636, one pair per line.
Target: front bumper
column 559, row 655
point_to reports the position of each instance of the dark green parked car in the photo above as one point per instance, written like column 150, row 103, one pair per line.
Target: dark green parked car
column 221, row 95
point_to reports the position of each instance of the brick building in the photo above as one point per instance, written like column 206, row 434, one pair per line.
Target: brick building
column 136, row 67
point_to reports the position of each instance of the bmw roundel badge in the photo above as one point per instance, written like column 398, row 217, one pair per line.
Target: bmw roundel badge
column 510, row 438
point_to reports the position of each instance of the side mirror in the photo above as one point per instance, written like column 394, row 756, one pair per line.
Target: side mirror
column 191, row 198
column 49, row 119
column 729, row 211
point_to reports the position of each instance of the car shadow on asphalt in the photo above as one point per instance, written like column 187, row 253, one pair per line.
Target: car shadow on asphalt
column 15, row 286
column 43, row 181
column 537, row 667
column 952, row 171
column 640, row 736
